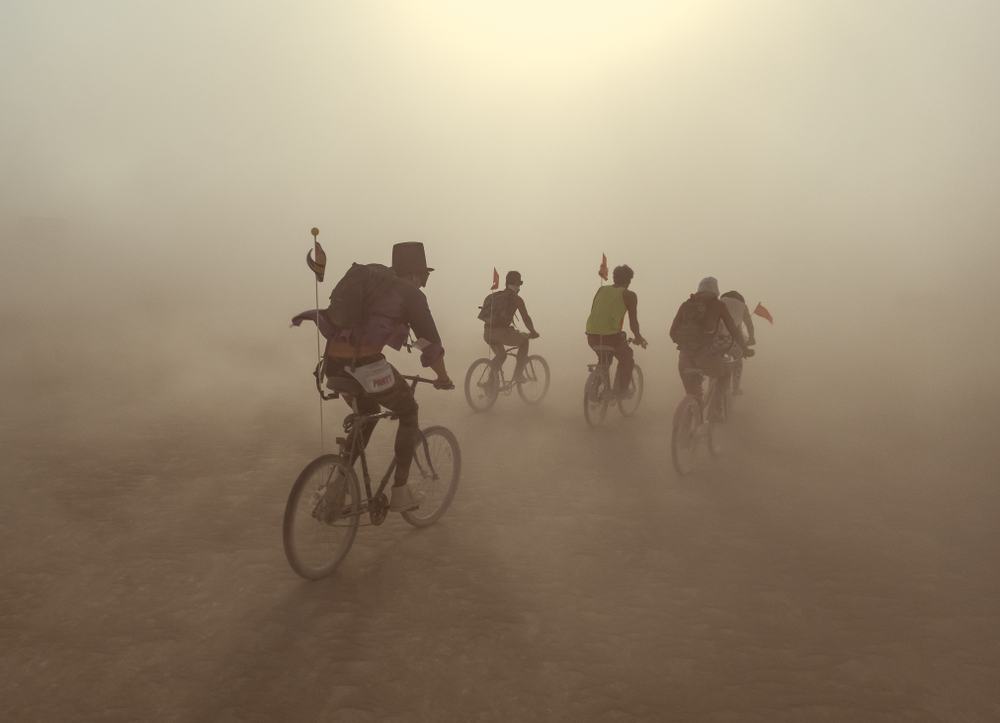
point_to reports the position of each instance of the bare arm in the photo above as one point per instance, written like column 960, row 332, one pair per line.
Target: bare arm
column 522, row 309
column 631, row 305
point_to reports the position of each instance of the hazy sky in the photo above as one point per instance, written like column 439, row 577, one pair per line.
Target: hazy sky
column 796, row 150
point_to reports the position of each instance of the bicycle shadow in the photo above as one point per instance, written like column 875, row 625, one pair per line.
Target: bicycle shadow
column 391, row 630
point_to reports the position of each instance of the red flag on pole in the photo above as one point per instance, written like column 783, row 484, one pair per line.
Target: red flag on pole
column 761, row 311
column 319, row 265
column 496, row 280
column 603, row 271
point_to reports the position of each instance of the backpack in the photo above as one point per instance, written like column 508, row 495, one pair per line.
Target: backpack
column 356, row 293
column 495, row 308
column 689, row 335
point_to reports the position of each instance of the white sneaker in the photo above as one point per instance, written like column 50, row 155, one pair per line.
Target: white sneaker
column 404, row 499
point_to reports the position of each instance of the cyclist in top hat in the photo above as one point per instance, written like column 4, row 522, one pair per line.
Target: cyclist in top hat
column 499, row 330
column 357, row 353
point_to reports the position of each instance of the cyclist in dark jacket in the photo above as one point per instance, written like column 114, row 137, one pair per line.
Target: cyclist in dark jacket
column 357, row 354
column 701, row 347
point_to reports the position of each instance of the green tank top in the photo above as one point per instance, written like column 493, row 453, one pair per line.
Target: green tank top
column 608, row 311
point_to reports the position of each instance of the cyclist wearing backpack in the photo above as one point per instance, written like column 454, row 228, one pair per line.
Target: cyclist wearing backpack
column 607, row 317
column 694, row 330
column 498, row 329
column 357, row 353
column 741, row 315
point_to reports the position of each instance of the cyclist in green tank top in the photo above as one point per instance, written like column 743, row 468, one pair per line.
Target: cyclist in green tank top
column 606, row 320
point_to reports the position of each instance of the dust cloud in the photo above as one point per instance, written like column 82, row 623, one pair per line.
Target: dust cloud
column 838, row 162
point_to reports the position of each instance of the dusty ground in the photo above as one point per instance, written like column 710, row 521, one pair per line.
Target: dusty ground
column 838, row 566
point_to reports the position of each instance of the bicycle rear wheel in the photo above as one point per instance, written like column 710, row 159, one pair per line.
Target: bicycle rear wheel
column 684, row 441
column 482, row 385
column 535, row 380
column 321, row 517
column 628, row 406
column 596, row 397
column 436, row 469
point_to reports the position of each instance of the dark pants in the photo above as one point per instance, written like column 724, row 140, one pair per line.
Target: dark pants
column 622, row 352
column 712, row 364
column 499, row 338
column 398, row 399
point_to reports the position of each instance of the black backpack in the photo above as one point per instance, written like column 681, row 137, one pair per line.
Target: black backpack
column 495, row 310
column 689, row 335
column 356, row 293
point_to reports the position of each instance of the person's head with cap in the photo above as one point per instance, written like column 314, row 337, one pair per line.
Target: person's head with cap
column 513, row 280
column 409, row 262
column 734, row 295
column 709, row 285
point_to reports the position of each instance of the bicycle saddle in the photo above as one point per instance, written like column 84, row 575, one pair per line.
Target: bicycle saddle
column 344, row 385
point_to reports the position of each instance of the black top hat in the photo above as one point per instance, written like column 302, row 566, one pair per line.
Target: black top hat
column 513, row 278
column 408, row 257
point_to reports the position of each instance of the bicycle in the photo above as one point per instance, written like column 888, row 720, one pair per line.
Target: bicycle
column 691, row 427
column 485, row 380
column 599, row 392
column 325, row 506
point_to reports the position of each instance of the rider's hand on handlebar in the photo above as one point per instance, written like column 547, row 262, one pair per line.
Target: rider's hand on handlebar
column 749, row 353
column 751, row 342
column 533, row 335
column 443, row 383
column 639, row 341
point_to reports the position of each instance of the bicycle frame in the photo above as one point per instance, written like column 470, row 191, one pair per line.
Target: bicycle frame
column 709, row 398
column 506, row 385
column 352, row 447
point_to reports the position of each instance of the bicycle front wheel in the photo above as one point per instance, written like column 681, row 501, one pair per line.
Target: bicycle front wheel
column 628, row 406
column 321, row 517
column 595, row 398
column 482, row 385
column 437, row 467
column 684, row 442
column 534, row 384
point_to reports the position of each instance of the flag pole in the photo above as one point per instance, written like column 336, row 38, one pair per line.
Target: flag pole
column 496, row 285
column 319, row 353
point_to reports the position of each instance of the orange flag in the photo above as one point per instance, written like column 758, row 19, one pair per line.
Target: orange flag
column 761, row 311
column 496, row 280
column 603, row 271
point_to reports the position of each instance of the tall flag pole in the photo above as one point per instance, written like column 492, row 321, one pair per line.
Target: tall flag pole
column 318, row 266
column 603, row 271
column 761, row 311
column 496, row 285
